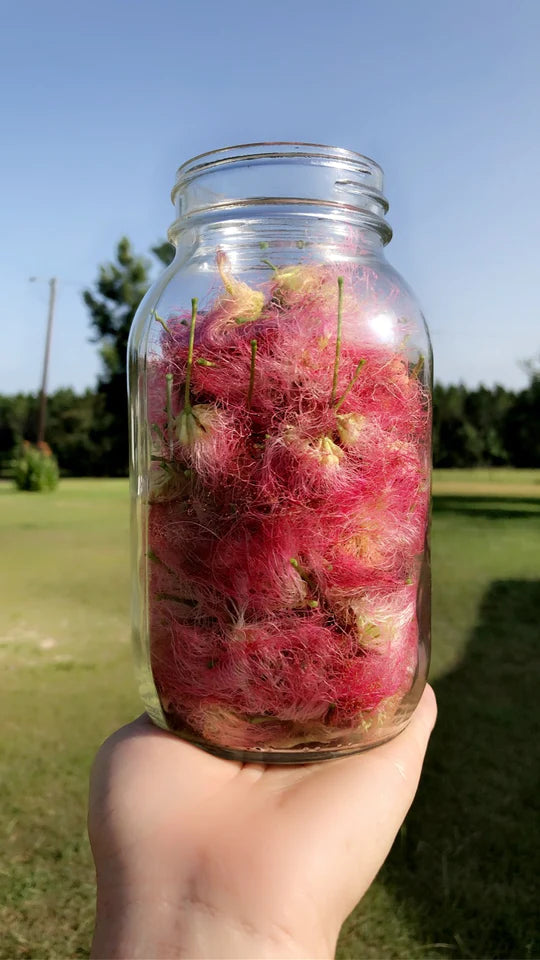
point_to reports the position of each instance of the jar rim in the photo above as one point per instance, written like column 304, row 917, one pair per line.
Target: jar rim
column 341, row 184
column 288, row 150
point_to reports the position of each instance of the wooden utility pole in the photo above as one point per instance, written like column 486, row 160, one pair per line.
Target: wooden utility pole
column 43, row 394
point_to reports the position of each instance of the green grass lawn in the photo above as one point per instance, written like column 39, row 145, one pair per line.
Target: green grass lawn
column 460, row 881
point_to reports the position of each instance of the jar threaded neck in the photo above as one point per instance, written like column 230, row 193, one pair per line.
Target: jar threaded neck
column 282, row 177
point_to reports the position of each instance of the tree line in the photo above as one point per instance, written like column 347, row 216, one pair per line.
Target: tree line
column 88, row 431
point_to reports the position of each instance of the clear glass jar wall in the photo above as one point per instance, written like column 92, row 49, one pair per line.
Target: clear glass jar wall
column 279, row 379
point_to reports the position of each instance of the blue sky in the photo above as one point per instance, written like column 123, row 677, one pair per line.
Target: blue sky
column 102, row 101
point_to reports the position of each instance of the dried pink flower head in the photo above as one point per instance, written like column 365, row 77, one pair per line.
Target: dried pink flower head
column 167, row 482
column 195, row 424
column 241, row 301
column 350, row 428
column 323, row 450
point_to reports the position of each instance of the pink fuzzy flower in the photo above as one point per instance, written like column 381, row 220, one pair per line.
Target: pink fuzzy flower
column 287, row 512
column 208, row 438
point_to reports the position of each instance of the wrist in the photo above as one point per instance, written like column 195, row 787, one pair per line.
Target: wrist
column 130, row 928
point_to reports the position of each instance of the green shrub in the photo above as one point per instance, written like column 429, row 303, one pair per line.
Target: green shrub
column 35, row 468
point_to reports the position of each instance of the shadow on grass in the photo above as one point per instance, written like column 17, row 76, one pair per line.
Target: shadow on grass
column 496, row 508
column 466, row 865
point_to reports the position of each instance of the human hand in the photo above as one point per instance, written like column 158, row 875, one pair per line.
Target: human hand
column 197, row 856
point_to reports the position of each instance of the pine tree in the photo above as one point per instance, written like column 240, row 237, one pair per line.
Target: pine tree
column 119, row 288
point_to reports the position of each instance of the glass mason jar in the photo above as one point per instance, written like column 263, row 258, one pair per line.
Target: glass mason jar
column 279, row 381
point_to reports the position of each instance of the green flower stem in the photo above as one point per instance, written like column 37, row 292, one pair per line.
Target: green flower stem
column 270, row 264
column 162, row 322
column 252, row 373
column 338, row 339
column 418, row 368
column 173, row 596
column 301, row 571
column 155, row 559
column 169, row 380
column 187, row 403
column 308, row 580
column 351, row 384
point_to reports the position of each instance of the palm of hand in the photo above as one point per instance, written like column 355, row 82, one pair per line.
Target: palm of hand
column 274, row 853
